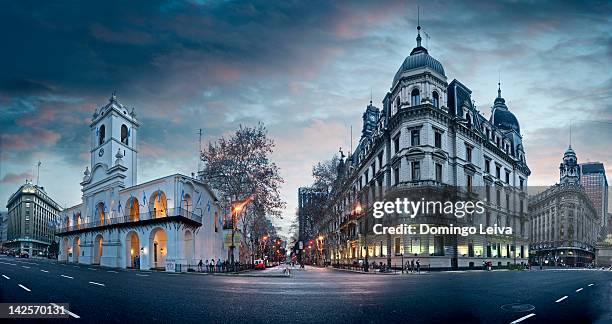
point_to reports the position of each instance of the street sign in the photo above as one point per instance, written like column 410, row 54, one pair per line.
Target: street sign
column 170, row 265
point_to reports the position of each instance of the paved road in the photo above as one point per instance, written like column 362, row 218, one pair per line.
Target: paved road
column 314, row 295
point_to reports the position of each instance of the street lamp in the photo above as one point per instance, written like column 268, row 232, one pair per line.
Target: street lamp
column 235, row 210
column 358, row 210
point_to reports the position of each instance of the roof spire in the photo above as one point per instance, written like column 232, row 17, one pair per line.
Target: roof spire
column 418, row 39
column 498, row 84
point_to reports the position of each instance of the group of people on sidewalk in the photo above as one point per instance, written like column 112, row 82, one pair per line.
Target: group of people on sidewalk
column 413, row 266
column 218, row 266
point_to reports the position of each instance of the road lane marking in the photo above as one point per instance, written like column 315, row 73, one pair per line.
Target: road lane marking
column 579, row 290
column 25, row 267
column 92, row 269
column 6, row 277
column 45, row 271
column 13, row 264
column 141, row 275
column 75, row 266
column 111, row 271
column 24, row 287
column 97, row 283
column 561, row 299
column 591, row 285
column 522, row 318
column 67, row 311
column 69, row 277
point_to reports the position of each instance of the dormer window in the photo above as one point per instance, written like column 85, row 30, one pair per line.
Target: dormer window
column 124, row 134
column 101, row 135
column 415, row 97
column 397, row 102
column 436, row 99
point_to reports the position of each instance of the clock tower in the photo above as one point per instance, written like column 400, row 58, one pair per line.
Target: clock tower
column 113, row 136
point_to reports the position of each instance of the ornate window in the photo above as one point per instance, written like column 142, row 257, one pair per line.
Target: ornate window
column 125, row 134
column 436, row 99
column 101, row 135
column 415, row 97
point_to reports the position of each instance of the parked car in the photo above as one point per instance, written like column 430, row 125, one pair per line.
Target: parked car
column 260, row 264
column 24, row 255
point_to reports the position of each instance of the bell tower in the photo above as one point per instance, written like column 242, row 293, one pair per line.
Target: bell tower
column 113, row 132
column 569, row 169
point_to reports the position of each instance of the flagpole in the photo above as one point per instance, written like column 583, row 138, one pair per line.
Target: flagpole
column 38, row 172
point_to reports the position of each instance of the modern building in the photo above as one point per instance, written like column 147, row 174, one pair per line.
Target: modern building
column 595, row 184
column 308, row 199
column 167, row 223
column 429, row 138
column 31, row 215
column 564, row 222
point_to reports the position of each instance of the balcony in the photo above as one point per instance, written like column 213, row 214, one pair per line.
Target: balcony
column 173, row 214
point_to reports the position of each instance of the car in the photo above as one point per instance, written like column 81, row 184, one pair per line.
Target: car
column 24, row 255
column 260, row 264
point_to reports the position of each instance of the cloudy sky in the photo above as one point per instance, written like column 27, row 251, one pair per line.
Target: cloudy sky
column 305, row 69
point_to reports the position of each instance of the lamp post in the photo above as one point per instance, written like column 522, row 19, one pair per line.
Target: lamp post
column 236, row 208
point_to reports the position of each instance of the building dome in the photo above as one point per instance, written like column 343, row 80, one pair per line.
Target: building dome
column 502, row 118
column 418, row 58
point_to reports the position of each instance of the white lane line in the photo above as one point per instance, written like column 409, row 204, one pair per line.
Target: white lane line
column 69, row 277
column 75, row 266
column 591, row 285
column 6, row 277
column 67, row 311
column 97, row 283
column 26, row 267
column 45, row 271
column 522, row 318
column 561, row 299
column 141, row 275
column 579, row 290
column 111, row 271
column 24, row 287
column 92, row 269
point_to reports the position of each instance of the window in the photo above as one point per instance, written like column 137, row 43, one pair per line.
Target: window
column 469, row 183
column 396, row 175
column 397, row 102
column 416, row 170
column 124, row 134
column 487, row 166
column 216, row 220
column 498, row 171
column 507, row 177
column 415, row 137
column 508, row 202
column 468, row 153
column 439, row 245
column 521, row 183
column 101, row 134
column 498, row 196
column 521, row 206
column 396, row 143
column 471, row 250
column 415, row 97
column 438, row 172
column 366, row 178
column 436, row 99
column 469, row 120
column 380, row 160
column 438, row 139
column 488, row 193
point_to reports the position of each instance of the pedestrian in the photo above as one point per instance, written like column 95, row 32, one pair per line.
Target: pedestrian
column 219, row 265
column 211, row 266
column 206, row 265
column 418, row 265
column 200, row 264
column 411, row 265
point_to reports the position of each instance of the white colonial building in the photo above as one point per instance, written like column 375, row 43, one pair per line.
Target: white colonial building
column 167, row 223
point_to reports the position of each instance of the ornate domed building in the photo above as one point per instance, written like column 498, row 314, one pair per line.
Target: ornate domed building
column 428, row 135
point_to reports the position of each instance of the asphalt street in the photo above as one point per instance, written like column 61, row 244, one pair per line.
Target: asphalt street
column 313, row 295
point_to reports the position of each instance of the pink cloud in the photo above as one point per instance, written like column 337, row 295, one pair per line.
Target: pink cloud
column 16, row 178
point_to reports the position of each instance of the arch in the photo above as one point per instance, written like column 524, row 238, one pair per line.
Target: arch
column 158, row 204
column 132, row 209
column 186, row 203
column 76, row 249
column 100, row 213
column 415, row 97
column 125, row 134
column 158, row 243
column 98, row 249
column 66, row 249
column 101, row 135
column 132, row 253
column 189, row 247
column 436, row 99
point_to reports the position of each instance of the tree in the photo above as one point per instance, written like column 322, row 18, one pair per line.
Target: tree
column 239, row 168
column 325, row 174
